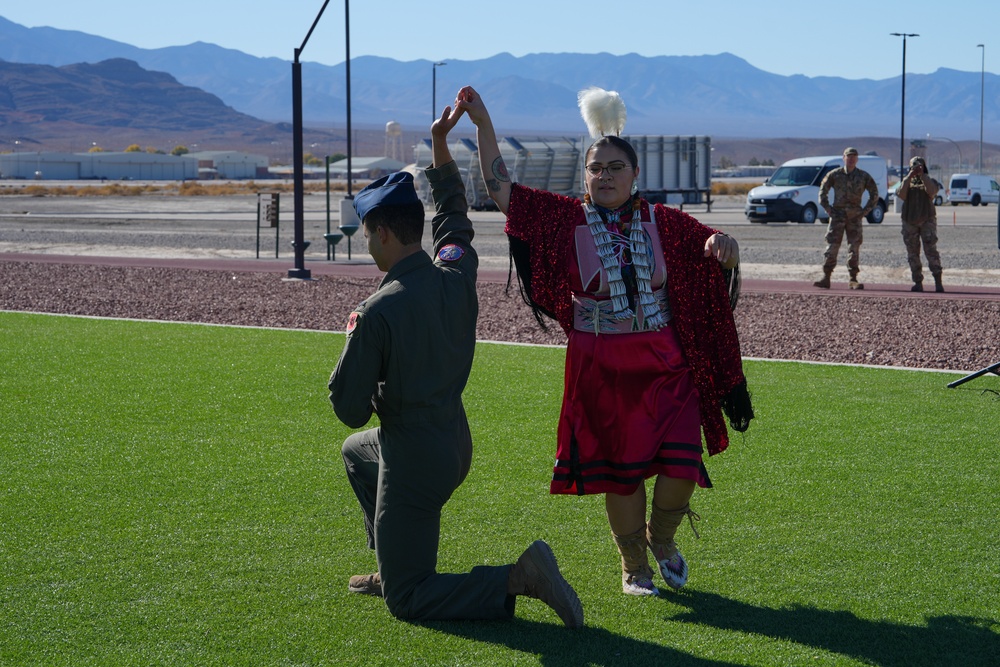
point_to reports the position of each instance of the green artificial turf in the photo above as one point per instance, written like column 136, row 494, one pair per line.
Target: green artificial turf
column 173, row 494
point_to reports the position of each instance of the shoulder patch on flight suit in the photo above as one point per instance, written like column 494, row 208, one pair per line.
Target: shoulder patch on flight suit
column 451, row 253
column 352, row 321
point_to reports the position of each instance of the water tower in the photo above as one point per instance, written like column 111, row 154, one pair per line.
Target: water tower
column 393, row 140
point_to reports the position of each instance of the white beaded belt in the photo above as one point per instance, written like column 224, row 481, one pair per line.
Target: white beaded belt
column 598, row 317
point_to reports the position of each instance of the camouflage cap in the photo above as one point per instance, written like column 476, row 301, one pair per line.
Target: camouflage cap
column 850, row 151
column 916, row 159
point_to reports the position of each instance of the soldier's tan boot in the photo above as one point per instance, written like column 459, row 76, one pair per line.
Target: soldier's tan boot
column 366, row 584
column 536, row 574
column 823, row 282
column 637, row 575
column 660, row 533
column 854, row 284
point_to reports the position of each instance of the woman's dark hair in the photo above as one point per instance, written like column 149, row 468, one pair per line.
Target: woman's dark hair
column 406, row 221
column 617, row 142
column 520, row 262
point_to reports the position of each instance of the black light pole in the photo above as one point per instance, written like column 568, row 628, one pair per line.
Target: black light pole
column 434, row 89
column 982, row 102
column 347, row 65
column 299, row 272
column 902, row 113
column 349, row 222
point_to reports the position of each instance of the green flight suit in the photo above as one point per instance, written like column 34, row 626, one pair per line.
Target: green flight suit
column 408, row 355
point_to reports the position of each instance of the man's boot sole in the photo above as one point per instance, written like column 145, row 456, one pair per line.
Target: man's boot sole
column 563, row 599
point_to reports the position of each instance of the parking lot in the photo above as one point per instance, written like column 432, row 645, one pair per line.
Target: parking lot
column 226, row 227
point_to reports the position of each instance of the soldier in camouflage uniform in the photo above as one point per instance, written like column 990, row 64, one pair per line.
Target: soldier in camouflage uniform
column 920, row 223
column 846, row 214
column 407, row 358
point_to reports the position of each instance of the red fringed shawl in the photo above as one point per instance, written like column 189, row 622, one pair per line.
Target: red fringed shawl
column 696, row 291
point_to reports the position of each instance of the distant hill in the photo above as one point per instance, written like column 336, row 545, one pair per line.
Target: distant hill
column 112, row 93
column 66, row 90
column 115, row 103
column 719, row 95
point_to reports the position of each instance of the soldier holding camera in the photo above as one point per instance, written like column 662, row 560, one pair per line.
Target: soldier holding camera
column 917, row 191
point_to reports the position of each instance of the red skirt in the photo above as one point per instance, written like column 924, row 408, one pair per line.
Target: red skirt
column 630, row 412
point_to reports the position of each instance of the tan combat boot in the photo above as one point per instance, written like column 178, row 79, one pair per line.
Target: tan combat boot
column 366, row 584
column 823, row 282
column 536, row 574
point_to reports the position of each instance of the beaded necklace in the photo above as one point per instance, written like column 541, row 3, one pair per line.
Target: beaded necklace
column 614, row 256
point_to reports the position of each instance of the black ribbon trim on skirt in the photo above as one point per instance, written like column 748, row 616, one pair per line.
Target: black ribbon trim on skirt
column 618, row 473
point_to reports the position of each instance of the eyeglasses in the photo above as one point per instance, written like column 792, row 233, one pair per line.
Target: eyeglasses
column 613, row 169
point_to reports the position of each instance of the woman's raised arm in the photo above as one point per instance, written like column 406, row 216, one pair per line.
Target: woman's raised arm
column 490, row 161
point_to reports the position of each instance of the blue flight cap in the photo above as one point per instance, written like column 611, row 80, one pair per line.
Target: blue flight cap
column 392, row 190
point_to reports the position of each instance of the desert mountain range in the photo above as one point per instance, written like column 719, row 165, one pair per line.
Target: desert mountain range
column 66, row 90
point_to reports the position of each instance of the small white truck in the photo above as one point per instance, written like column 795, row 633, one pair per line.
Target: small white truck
column 973, row 189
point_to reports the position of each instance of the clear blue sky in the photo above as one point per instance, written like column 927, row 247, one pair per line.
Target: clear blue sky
column 850, row 39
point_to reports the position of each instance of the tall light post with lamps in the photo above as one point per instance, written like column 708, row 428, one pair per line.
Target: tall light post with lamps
column 299, row 272
column 347, row 86
column 902, row 112
column 434, row 89
column 349, row 223
column 982, row 103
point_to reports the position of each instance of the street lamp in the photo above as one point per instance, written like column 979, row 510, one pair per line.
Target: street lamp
column 349, row 222
column 982, row 102
column 434, row 89
column 957, row 147
column 300, row 244
column 347, row 72
column 902, row 112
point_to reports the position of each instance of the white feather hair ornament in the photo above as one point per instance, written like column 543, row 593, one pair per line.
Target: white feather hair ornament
column 603, row 111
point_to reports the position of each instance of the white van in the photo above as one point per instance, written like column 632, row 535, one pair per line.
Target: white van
column 973, row 189
column 792, row 191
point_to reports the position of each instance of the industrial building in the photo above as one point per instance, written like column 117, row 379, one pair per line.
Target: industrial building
column 230, row 165
column 99, row 165
column 132, row 166
column 366, row 167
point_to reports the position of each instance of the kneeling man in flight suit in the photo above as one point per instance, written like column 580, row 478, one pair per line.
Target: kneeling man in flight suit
column 407, row 358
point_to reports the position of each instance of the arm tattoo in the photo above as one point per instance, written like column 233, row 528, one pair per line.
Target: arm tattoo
column 499, row 170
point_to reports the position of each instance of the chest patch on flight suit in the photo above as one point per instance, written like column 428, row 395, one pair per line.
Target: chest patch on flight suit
column 352, row 322
column 451, row 253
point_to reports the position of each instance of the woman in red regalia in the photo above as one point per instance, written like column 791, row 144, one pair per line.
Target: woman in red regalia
column 652, row 357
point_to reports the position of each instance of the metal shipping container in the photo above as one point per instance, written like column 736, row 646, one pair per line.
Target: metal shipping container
column 672, row 169
column 546, row 164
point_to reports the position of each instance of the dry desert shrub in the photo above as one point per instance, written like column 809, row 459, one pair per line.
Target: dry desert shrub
column 732, row 187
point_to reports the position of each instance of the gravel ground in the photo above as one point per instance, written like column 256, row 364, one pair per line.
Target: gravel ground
column 949, row 334
column 955, row 333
